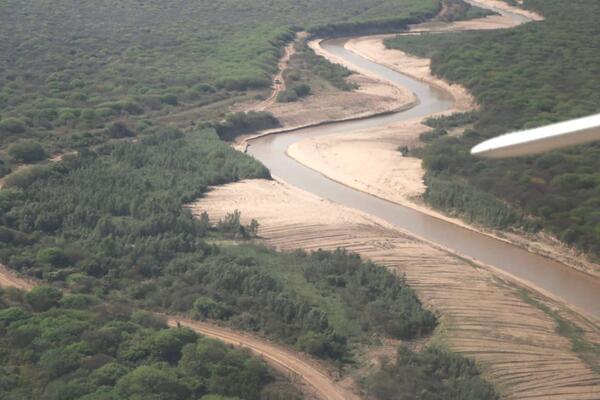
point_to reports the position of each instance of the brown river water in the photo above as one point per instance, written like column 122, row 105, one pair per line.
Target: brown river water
column 574, row 287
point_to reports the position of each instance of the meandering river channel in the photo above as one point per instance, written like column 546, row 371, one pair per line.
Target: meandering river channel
column 574, row 287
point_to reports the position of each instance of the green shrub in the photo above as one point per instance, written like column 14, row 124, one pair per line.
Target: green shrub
column 53, row 256
column 42, row 298
column 169, row 99
column 294, row 93
column 24, row 178
column 79, row 301
column 432, row 135
column 240, row 123
column 26, row 151
column 12, row 125
column 433, row 373
column 118, row 130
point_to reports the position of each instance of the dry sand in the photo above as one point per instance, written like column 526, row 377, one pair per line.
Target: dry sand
column 9, row 279
column 372, row 97
column 481, row 314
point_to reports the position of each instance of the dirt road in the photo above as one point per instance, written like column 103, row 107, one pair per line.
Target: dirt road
column 278, row 81
column 284, row 360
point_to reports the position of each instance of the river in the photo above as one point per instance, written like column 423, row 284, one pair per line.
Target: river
column 574, row 287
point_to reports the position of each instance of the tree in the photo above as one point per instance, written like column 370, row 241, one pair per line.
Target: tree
column 12, row 125
column 26, row 151
column 166, row 346
column 119, row 130
column 53, row 256
column 109, row 374
column 42, row 298
column 151, row 383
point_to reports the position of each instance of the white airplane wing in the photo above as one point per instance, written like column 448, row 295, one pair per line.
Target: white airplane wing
column 542, row 139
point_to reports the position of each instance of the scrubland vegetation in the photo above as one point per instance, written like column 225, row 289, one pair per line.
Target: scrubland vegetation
column 457, row 10
column 72, row 69
column 72, row 347
column 108, row 224
column 112, row 223
column 432, row 374
column 531, row 75
column 240, row 123
column 307, row 68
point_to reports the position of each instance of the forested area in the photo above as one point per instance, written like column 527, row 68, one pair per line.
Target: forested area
column 112, row 222
column 432, row 374
column 108, row 225
column 74, row 347
column 71, row 69
column 535, row 74
column 308, row 73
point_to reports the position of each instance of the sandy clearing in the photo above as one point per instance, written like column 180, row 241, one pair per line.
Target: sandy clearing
column 284, row 360
column 482, row 315
column 9, row 279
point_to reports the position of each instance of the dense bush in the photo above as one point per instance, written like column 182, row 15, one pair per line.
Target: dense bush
column 118, row 130
column 101, row 351
column 457, row 10
column 432, row 374
column 239, row 123
column 294, row 93
column 433, row 134
column 383, row 23
column 42, row 298
column 113, row 223
column 26, row 151
column 69, row 76
column 11, row 125
column 452, row 121
column 531, row 75
column 305, row 66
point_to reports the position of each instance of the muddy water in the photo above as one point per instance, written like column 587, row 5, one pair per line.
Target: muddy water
column 559, row 280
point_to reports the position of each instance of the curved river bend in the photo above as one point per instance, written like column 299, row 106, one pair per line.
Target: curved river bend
column 574, row 287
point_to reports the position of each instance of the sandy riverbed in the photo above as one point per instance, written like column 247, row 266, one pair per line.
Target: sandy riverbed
column 342, row 157
column 372, row 97
column 515, row 342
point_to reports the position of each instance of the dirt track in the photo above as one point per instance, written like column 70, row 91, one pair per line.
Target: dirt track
column 284, row 360
column 278, row 81
column 293, row 364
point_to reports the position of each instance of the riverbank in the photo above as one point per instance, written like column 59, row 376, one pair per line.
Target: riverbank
column 482, row 313
column 399, row 179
